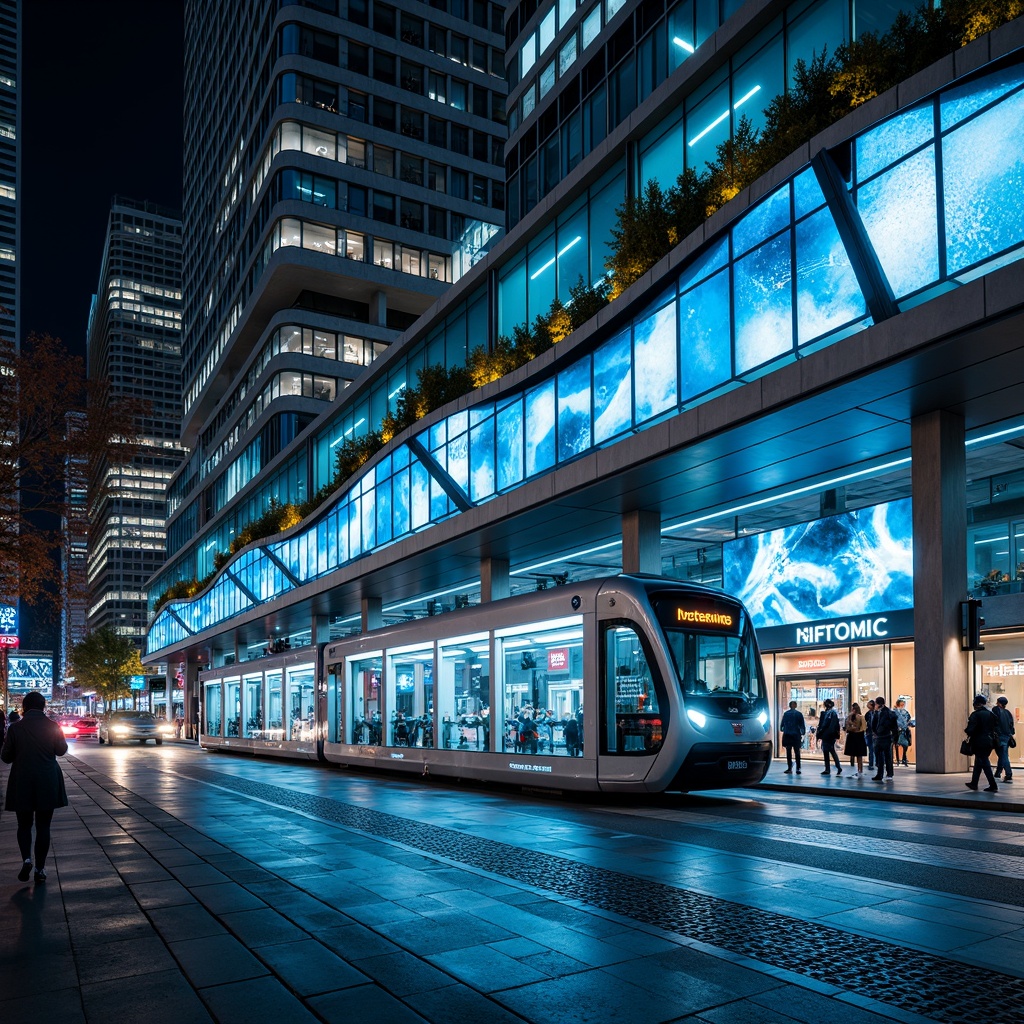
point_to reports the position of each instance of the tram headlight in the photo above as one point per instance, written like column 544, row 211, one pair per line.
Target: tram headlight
column 697, row 718
column 763, row 719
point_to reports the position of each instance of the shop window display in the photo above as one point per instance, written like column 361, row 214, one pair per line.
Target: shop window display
column 463, row 693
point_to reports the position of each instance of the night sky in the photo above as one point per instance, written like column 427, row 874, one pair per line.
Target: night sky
column 101, row 116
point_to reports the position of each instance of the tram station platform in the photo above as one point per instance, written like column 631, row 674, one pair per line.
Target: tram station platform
column 907, row 786
column 188, row 887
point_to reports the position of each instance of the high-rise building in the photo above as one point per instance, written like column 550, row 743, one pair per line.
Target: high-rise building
column 10, row 166
column 343, row 168
column 134, row 341
column 74, row 553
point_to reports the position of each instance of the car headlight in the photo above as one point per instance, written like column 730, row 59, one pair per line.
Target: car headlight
column 697, row 718
column 167, row 730
column 121, row 730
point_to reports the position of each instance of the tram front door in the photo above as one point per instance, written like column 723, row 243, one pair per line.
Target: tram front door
column 810, row 694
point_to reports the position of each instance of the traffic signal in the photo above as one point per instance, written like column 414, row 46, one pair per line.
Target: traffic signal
column 971, row 623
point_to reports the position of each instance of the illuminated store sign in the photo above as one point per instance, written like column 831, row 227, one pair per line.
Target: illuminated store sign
column 8, row 619
column 558, row 659
column 860, row 629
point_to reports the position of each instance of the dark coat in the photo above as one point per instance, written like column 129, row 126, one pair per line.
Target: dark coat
column 980, row 727
column 792, row 724
column 31, row 748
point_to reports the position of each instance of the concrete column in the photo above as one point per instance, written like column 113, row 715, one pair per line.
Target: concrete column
column 372, row 612
column 493, row 579
column 939, row 481
column 170, row 674
column 319, row 630
column 379, row 309
column 641, row 542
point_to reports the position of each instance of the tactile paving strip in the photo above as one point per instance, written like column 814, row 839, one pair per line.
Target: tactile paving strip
column 932, row 986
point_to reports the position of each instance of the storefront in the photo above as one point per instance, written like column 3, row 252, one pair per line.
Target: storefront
column 999, row 672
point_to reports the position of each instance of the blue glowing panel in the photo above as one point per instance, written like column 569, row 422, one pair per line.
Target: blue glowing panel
column 892, row 139
column 331, row 524
column 827, row 293
column 655, row 357
column 369, row 523
column 762, row 221
column 457, row 424
column 438, row 501
column 963, row 100
column 355, row 533
column 419, row 496
column 509, row 456
column 855, row 563
column 458, row 460
column 382, row 510
column 704, row 337
column 540, row 428
column 706, row 264
column 613, row 388
column 438, row 435
column 341, row 533
column 898, row 210
column 482, row 449
column 764, row 306
column 400, row 502
column 573, row 387
column 807, row 194
column 983, row 184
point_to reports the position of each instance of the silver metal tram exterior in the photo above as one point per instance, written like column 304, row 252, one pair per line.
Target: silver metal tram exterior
column 622, row 684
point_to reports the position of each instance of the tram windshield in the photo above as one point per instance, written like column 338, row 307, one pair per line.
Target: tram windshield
column 713, row 649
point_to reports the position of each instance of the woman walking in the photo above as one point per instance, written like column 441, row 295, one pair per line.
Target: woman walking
column 35, row 787
column 856, row 743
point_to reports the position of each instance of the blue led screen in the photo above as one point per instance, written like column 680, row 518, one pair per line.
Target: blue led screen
column 938, row 188
column 854, row 563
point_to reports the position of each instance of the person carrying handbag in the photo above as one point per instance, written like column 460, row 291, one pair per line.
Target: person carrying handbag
column 980, row 727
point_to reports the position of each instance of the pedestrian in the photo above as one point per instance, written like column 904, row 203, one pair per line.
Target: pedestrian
column 571, row 732
column 35, row 787
column 793, row 728
column 3, row 726
column 980, row 727
column 885, row 730
column 13, row 717
column 903, row 740
column 856, row 744
column 829, row 729
column 869, row 734
column 1004, row 739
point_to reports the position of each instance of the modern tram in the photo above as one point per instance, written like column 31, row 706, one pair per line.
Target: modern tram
column 622, row 684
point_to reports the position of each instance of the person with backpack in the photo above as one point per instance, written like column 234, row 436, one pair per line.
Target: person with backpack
column 1004, row 738
column 829, row 729
column 980, row 728
column 792, row 728
column 886, row 728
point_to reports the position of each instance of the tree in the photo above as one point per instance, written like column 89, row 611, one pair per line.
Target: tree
column 105, row 661
column 39, row 386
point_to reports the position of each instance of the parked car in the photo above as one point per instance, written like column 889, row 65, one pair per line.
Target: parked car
column 87, row 727
column 121, row 726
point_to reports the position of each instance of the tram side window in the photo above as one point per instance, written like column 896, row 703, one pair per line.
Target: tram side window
column 301, row 697
column 364, row 712
column 253, row 714
column 542, row 688
column 634, row 723
column 410, row 696
column 275, row 719
column 464, row 693
column 213, row 711
column 232, row 706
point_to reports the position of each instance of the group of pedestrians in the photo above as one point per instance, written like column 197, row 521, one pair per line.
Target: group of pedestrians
column 876, row 734
column 987, row 730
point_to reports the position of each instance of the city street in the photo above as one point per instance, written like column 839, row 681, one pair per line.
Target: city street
column 188, row 886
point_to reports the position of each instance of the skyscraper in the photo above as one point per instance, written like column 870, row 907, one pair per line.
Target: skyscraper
column 343, row 167
column 134, row 340
column 10, row 165
column 74, row 553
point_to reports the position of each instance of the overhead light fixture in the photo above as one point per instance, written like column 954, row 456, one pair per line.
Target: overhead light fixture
column 559, row 255
column 682, row 44
column 721, row 117
column 743, row 99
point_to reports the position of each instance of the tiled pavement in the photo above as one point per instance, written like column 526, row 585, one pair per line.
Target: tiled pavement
column 176, row 894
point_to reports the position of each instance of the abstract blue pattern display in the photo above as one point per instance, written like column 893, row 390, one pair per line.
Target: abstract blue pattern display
column 851, row 564
column 938, row 188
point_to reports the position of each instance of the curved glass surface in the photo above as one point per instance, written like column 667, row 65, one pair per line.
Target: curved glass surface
column 777, row 282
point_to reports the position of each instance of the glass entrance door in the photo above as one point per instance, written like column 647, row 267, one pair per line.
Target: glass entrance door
column 809, row 695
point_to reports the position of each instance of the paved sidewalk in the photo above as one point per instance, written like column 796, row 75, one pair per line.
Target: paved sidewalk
column 907, row 786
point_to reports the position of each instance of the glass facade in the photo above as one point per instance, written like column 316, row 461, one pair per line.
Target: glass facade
column 750, row 300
